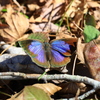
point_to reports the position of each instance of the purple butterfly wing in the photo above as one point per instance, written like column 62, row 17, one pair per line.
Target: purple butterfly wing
column 36, row 51
column 60, row 50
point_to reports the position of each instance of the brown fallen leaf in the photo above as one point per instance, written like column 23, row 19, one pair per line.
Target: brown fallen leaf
column 75, row 10
column 98, row 25
column 32, row 7
column 2, row 26
column 93, row 4
column 31, row 93
column 63, row 34
column 48, row 88
column 92, row 57
column 72, row 87
column 80, row 48
column 97, row 17
column 72, row 9
column 45, row 90
column 41, row 27
column 94, row 9
column 18, row 24
column 53, row 9
column 3, row 2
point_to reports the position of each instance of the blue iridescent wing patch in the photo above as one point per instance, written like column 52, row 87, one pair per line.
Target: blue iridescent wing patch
column 61, row 52
column 36, row 51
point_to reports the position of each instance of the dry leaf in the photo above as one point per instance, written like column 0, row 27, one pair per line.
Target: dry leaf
column 63, row 35
column 75, row 10
column 52, row 9
column 93, row 4
column 18, row 24
column 98, row 25
column 38, row 20
column 97, row 17
column 97, row 14
column 4, row 3
column 72, row 87
column 31, row 93
column 17, row 96
column 92, row 57
column 2, row 26
column 48, row 88
column 41, row 27
column 80, row 48
column 72, row 9
column 32, row 7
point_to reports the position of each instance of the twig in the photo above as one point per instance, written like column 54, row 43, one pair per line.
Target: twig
column 75, row 78
column 15, row 1
column 74, row 65
column 7, row 48
column 86, row 94
column 77, row 26
column 82, row 96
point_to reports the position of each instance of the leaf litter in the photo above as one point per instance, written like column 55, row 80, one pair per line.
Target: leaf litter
column 59, row 19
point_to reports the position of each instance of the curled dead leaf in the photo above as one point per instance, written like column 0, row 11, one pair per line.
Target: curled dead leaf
column 80, row 48
column 72, row 88
column 48, row 88
column 18, row 24
column 31, row 93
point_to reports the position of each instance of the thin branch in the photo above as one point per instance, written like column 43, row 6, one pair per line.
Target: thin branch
column 74, row 65
column 86, row 94
column 75, row 78
column 82, row 96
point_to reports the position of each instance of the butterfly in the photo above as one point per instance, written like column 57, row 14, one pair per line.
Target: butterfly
column 49, row 55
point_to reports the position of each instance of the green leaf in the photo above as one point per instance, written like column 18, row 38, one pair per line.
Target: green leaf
column 4, row 10
column 89, row 20
column 25, row 15
column 90, row 33
column 35, row 93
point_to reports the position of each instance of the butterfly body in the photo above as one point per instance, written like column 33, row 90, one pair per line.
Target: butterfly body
column 47, row 48
column 49, row 55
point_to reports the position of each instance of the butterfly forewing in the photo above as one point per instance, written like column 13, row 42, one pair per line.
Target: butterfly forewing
column 36, row 51
column 25, row 45
column 62, row 46
column 39, row 36
column 61, row 52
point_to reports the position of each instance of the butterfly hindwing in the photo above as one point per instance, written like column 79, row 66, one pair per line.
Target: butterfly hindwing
column 58, row 60
column 36, row 51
